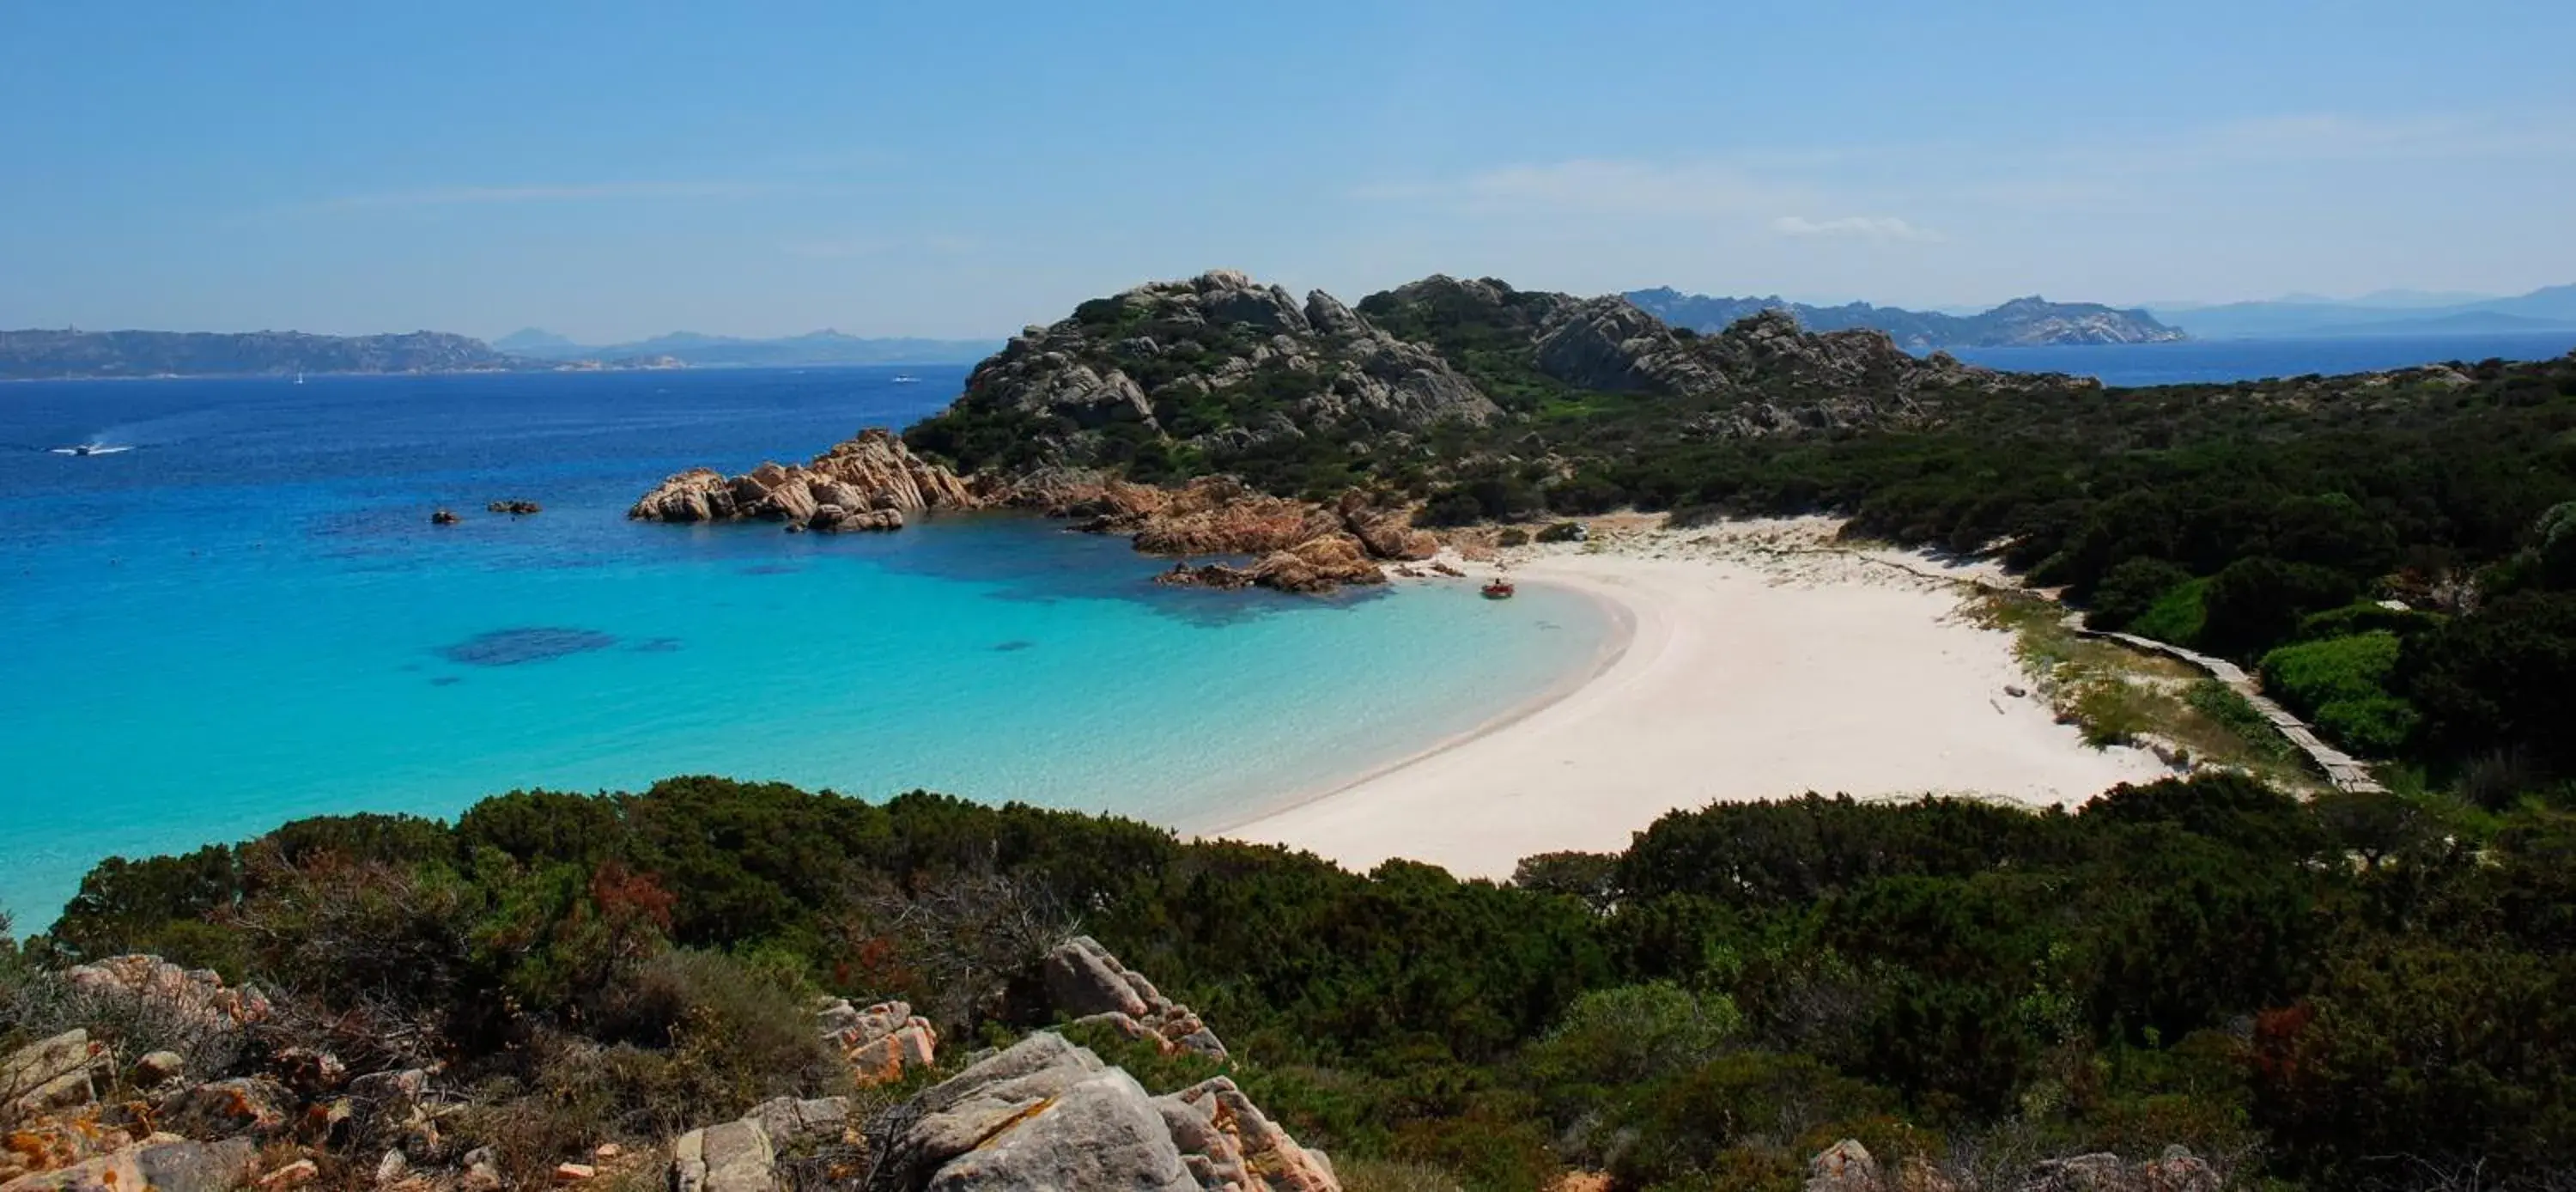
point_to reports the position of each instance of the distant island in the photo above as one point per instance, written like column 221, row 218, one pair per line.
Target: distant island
column 45, row 355
column 2020, row 322
column 69, row 354
column 2551, row 308
column 720, row 351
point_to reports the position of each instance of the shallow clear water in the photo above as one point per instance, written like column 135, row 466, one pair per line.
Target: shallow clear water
column 249, row 618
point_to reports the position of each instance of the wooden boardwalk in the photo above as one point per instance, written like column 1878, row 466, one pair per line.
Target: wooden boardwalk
column 2340, row 768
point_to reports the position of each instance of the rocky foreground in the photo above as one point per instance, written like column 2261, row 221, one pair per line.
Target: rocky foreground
column 1042, row 1113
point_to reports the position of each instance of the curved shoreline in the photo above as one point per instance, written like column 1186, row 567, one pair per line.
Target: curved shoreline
column 1746, row 673
column 1615, row 648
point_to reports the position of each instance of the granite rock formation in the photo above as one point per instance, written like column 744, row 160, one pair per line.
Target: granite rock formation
column 1217, row 364
column 880, row 1043
column 867, row 483
column 1047, row 1114
column 1084, row 981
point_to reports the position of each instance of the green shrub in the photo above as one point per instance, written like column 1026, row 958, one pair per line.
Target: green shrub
column 2130, row 590
column 1633, row 1032
column 1512, row 536
column 2256, row 603
column 2342, row 685
column 1564, row 531
column 2176, row 616
column 2366, row 616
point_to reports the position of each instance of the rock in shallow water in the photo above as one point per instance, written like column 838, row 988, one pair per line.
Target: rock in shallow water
column 511, row 647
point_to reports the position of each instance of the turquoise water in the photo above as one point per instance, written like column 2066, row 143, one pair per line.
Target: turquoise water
column 248, row 618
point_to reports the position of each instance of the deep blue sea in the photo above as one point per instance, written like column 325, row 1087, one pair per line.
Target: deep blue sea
column 249, row 618
column 2248, row 359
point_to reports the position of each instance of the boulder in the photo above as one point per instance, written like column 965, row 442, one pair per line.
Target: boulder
column 882, row 1042
column 1045, row 1114
column 1227, row 1142
column 1086, row 983
column 222, row 1108
column 1318, row 565
column 195, row 996
column 1845, row 1166
column 55, row 1073
column 162, row 1163
column 158, row 1068
column 743, row 1155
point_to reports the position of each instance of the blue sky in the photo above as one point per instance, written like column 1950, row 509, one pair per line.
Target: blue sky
column 615, row 170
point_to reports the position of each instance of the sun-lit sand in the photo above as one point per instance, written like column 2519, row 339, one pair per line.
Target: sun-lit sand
column 1760, row 662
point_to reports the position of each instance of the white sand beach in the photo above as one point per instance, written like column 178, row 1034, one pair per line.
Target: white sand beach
column 1761, row 663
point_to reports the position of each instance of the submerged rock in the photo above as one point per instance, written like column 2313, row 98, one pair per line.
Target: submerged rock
column 513, row 647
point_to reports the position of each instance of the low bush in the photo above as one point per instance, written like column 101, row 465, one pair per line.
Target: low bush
column 2130, row 589
column 1564, row 531
column 2176, row 616
column 2342, row 685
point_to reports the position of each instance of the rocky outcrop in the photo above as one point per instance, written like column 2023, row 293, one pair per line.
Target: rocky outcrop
column 1045, row 1114
column 1088, row 984
column 1160, row 357
column 515, row 508
column 745, row 1155
column 1847, row 1166
column 196, row 997
column 867, row 483
column 880, row 1043
column 1299, row 546
column 54, row 1073
column 159, row 1163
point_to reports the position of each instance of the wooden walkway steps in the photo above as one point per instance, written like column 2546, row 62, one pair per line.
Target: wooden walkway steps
column 2340, row 768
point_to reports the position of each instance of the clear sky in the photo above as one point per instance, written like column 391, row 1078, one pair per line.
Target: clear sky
column 958, row 169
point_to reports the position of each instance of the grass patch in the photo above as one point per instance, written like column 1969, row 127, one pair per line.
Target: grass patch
column 2118, row 696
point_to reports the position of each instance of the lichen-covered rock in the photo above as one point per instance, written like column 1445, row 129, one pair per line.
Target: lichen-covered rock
column 882, row 1042
column 162, row 1163
column 54, row 1073
column 1845, row 1166
column 872, row 479
column 1227, row 1142
column 743, row 1155
column 221, row 1108
column 1045, row 1114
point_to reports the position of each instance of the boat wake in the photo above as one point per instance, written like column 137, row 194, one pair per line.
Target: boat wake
column 91, row 449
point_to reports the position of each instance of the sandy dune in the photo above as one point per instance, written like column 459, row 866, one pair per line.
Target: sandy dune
column 1761, row 664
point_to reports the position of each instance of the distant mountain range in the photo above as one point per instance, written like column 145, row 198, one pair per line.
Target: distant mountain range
column 2022, row 321
column 2301, row 317
column 707, row 351
column 32, row 355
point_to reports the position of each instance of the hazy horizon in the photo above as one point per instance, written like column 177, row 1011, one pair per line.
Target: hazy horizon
column 609, row 177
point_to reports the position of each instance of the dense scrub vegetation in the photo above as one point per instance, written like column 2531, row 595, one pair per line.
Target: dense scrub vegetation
column 2350, row 993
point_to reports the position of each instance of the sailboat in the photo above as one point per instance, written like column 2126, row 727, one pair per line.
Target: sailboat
column 299, row 376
